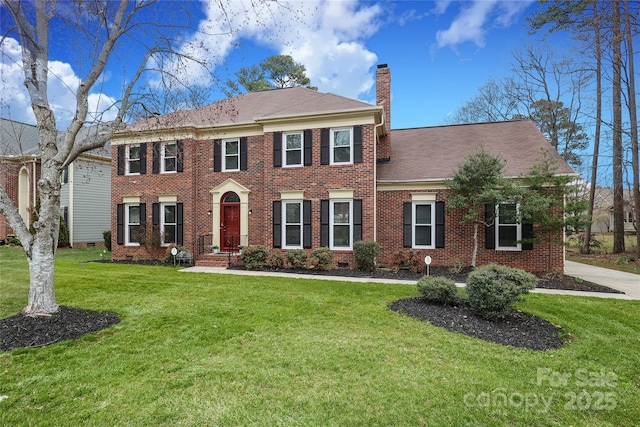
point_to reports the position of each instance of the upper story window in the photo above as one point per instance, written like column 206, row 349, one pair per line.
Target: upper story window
column 293, row 149
column 508, row 228
column 169, row 157
column 423, row 225
column 231, row 155
column 133, row 159
column 341, row 148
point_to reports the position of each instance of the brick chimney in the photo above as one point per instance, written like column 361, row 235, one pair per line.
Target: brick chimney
column 383, row 98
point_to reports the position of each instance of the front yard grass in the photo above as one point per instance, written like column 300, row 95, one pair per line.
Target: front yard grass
column 205, row 349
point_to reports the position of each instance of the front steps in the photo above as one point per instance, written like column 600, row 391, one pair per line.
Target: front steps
column 222, row 260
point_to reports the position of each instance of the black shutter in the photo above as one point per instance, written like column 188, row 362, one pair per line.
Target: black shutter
column 527, row 236
column 324, row 146
column 155, row 219
column 277, row 149
column 179, row 224
column 277, row 224
column 407, row 232
column 306, row 224
column 357, row 220
column 243, row 153
column 217, row 156
column 120, row 224
column 324, row 223
column 143, row 217
column 121, row 158
column 143, row 158
column 490, row 231
column 180, row 155
column 440, row 214
column 157, row 149
column 357, row 144
column 308, row 147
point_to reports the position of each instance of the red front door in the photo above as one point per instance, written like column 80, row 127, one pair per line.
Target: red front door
column 230, row 227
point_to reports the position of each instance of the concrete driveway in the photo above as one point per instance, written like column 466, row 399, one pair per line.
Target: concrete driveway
column 628, row 283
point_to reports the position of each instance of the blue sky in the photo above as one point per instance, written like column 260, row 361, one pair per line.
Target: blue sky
column 439, row 52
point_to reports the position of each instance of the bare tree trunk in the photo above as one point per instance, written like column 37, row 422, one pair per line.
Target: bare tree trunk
column 586, row 243
column 474, row 256
column 618, row 194
column 633, row 119
column 42, row 298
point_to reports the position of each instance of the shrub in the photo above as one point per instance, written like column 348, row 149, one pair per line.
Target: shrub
column 274, row 260
column 438, row 290
column 254, row 256
column 365, row 253
column 297, row 258
column 167, row 254
column 321, row 259
column 493, row 289
column 106, row 235
column 408, row 258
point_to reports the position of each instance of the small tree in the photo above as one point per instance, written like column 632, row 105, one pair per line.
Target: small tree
column 479, row 182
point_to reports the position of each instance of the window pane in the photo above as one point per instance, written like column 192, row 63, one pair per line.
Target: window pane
column 341, row 235
column 294, row 141
column 341, row 138
column 134, row 166
column 292, row 235
column 507, row 214
column 341, row 213
column 231, row 162
column 292, row 213
column 423, row 214
column 134, row 152
column 134, row 214
column 294, row 158
column 170, row 214
column 170, row 150
column 169, row 234
column 231, row 147
column 423, row 236
column 134, row 234
column 342, row 155
column 231, row 198
column 170, row 165
column 508, row 236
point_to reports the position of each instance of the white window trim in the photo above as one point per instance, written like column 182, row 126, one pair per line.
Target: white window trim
column 284, row 149
column 128, row 159
column 331, row 146
column 224, row 154
column 331, row 225
column 127, row 236
column 163, row 222
column 284, row 224
column 518, row 246
column 163, row 157
column 414, row 224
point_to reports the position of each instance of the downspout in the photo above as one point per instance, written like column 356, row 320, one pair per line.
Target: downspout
column 375, row 178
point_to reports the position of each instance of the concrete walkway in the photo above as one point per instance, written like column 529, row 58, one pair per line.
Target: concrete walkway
column 626, row 282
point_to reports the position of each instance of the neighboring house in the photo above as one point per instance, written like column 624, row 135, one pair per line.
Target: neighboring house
column 603, row 211
column 298, row 169
column 84, row 193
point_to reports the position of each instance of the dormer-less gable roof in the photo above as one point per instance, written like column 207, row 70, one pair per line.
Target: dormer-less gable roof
column 435, row 153
column 254, row 107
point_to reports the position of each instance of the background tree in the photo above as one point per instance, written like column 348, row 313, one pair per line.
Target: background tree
column 479, row 182
column 274, row 72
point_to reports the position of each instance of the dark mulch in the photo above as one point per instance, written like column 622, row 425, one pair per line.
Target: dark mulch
column 20, row 331
column 518, row 329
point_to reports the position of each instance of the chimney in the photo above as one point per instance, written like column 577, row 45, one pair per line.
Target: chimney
column 383, row 98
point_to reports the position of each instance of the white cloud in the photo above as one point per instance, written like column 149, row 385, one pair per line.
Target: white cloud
column 62, row 85
column 477, row 18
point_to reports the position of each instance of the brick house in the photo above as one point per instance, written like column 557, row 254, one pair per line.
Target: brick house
column 298, row 169
column 85, row 184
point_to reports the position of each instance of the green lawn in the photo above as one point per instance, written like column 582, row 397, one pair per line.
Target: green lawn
column 217, row 350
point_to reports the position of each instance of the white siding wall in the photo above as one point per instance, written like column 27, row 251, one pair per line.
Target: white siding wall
column 91, row 202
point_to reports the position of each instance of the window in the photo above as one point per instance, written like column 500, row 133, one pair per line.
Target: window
column 341, row 146
column 231, row 155
column 340, row 229
column 133, row 159
column 508, row 228
column 168, row 223
column 292, row 220
column 423, row 227
column 293, row 146
column 169, row 157
column 133, row 228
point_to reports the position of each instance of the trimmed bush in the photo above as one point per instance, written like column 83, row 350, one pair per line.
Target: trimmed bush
column 321, row 259
column 297, row 258
column 106, row 235
column 365, row 253
column 168, row 258
column 408, row 258
column 493, row 289
column 438, row 290
column 274, row 260
column 254, row 256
